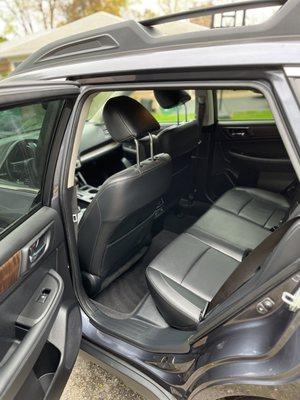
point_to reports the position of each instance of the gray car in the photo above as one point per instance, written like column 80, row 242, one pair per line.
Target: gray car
column 149, row 209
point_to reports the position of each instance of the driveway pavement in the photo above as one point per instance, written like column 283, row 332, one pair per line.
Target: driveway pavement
column 90, row 382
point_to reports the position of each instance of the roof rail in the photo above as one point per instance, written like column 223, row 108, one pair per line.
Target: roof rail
column 197, row 12
column 79, row 54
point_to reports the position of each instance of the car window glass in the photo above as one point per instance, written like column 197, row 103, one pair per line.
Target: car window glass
column 242, row 105
column 95, row 133
column 24, row 146
column 95, row 123
column 166, row 116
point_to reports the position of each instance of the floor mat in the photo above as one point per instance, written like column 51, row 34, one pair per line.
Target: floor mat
column 179, row 224
column 126, row 292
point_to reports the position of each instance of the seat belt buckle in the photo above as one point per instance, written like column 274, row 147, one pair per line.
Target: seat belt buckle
column 292, row 300
column 160, row 208
column 275, row 227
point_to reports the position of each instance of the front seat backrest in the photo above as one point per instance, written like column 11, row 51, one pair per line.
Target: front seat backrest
column 178, row 141
column 115, row 230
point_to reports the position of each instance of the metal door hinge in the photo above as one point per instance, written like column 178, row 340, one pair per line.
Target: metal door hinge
column 292, row 300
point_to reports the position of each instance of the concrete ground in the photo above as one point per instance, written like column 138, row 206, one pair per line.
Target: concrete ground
column 90, row 382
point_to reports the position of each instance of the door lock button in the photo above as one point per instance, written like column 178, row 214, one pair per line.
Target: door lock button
column 43, row 296
column 264, row 306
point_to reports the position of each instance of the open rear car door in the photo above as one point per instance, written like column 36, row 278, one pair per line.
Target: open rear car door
column 40, row 322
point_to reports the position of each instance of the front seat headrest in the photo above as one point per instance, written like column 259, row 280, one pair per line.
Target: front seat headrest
column 126, row 119
column 169, row 98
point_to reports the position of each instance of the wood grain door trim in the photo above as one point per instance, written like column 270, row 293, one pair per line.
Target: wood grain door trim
column 10, row 272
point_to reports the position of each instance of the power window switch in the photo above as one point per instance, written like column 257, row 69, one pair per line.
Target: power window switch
column 42, row 298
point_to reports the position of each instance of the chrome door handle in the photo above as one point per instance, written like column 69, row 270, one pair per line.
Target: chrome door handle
column 36, row 250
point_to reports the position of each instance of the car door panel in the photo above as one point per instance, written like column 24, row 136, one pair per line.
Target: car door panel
column 250, row 154
column 30, row 306
column 40, row 320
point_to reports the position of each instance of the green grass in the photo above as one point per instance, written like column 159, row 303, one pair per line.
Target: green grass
column 250, row 115
column 165, row 118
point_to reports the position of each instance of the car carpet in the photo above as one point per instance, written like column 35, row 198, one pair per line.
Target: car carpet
column 179, row 223
column 126, row 293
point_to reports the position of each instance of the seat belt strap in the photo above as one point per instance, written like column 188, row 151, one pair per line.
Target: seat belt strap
column 201, row 97
column 247, row 268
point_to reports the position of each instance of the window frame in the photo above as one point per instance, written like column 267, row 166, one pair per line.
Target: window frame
column 275, row 89
column 24, row 95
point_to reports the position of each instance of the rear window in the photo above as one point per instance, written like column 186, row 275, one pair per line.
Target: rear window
column 242, row 105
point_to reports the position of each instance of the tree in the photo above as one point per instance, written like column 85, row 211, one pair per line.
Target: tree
column 78, row 8
column 164, row 7
column 171, row 6
column 29, row 16
column 205, row 20
column 20, row 11
column 48, row 9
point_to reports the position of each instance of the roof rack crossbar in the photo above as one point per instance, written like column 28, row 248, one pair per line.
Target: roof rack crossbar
column 198, row 12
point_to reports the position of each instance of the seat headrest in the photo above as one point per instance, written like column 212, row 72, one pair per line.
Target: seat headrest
column 126, row 119
column 169, row 98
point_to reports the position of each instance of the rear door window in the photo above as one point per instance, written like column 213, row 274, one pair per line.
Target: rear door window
column 242, row 106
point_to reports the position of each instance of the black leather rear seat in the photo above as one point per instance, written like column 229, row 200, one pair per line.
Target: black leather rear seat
column 259, row 206
column 184, row 278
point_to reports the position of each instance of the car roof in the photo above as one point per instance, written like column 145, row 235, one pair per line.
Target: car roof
column 137, row 47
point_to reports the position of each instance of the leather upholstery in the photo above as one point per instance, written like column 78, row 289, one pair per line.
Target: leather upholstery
column 259, row 206
column 230, row 229
column 179, row 141
column 169, row 98
column 184, row 278
column 116, row 227
column 127, row 119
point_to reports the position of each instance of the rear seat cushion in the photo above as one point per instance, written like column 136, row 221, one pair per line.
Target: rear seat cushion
column 230, row 230
column 264, row 208
column 184, row 278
